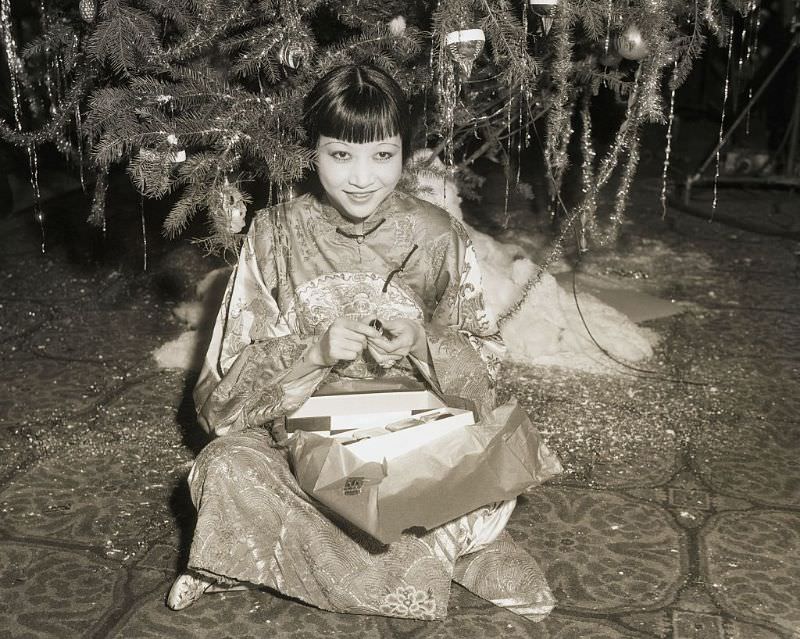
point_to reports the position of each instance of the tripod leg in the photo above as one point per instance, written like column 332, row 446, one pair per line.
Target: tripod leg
column 791, row 169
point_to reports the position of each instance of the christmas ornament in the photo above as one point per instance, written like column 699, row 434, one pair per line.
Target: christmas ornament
column 631, row 44
column 397, row 25
column 465, row 46
column 231, row 202
column 544, row 10
column 174, row 156
column 293, row 55
column 88, row 10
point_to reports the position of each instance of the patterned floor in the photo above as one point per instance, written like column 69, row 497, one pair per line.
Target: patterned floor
column 678, row 516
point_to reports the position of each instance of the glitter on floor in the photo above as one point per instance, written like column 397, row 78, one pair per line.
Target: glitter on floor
column 677, row 517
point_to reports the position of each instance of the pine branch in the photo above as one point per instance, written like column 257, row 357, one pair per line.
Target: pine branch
column 126, row 39
column 185, row 209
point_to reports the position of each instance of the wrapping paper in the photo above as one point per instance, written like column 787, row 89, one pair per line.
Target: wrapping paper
column 493, row 460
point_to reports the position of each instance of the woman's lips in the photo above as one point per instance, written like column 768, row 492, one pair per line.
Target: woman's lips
column 360, row 197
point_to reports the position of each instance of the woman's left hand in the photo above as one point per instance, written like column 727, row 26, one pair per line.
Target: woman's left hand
column 401, row 337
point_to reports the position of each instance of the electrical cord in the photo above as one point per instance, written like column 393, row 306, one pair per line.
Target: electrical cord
column 650, row 374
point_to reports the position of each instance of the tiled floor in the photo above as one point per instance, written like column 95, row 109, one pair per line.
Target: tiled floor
column 678, row 516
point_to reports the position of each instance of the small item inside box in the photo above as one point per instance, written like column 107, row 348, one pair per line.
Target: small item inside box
column 400, row 437
column 354, row 404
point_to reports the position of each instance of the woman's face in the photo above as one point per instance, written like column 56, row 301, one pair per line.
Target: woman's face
column 357, row 177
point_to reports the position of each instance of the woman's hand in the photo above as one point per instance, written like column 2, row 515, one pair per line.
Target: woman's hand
column 401, row 337
column 344, row 340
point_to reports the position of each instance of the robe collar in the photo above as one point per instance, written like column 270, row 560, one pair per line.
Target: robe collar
column 385, row 210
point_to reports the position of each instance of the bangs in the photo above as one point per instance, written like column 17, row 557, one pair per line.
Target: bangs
column 357, row 104
column 359, row 117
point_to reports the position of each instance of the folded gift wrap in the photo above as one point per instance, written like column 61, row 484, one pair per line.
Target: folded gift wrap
column 424, row 475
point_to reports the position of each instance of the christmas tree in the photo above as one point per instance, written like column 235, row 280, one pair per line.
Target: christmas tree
column 201, row 101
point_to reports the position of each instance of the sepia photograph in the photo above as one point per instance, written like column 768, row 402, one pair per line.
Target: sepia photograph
column 380, row 319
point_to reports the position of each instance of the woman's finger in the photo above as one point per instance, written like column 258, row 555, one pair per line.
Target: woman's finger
column 360, row 327
column 345, row 334
column 386, row 345
column 352, row 343
column 344, row 353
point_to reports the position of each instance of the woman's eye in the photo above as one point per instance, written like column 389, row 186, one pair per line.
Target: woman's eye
column 340, row 155
column 384, row 155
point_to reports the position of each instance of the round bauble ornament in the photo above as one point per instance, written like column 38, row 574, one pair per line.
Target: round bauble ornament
column 631, row 44
column 294, row 55
column 88, row 10
column 465, row 46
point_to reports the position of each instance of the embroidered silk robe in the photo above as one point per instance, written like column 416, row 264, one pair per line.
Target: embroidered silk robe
column 301, row 266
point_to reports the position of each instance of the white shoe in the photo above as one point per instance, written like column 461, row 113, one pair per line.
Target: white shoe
column 186, row 589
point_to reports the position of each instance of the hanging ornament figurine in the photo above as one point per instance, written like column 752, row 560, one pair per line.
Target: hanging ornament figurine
column 544, row 10
column 293, row 55
column 465, row 46
column 631, row 45
column 231, row 202
column 88, row 10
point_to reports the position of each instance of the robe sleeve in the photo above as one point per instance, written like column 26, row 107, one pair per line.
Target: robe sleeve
column 464, row 343
column 252, row 347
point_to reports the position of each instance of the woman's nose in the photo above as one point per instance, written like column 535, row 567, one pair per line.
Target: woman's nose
column 361, row 175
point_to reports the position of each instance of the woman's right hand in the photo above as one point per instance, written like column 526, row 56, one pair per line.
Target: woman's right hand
column 344, row 340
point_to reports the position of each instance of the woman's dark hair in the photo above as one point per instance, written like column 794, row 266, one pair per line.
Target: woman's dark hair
column 357, row 103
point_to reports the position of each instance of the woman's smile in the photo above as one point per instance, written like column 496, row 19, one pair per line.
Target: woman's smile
column 359, row 197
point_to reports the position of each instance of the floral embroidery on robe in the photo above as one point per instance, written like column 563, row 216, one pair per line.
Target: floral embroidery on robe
column 301, row 266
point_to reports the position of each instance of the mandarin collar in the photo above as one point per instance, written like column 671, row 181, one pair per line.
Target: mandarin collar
column 332, row 215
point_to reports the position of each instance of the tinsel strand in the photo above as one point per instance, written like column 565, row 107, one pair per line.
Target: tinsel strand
column 722, row 119
column 610, row 160
column 12, row 59
column 554, row 254
column 624, row 188
column 144, row 233
column 79, row 144
column 587, row 212
column 508, row 162
column 33, row 166
column 668, row 146
column 15, row 68
column 558, row 124
column 649, row 72
column 751, row 49
column 49, row 131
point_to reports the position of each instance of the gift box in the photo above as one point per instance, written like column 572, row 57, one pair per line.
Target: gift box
column 349, row 404
column 425, row 475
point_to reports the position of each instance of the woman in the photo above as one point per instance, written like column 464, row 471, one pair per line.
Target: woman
column 311, row 276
